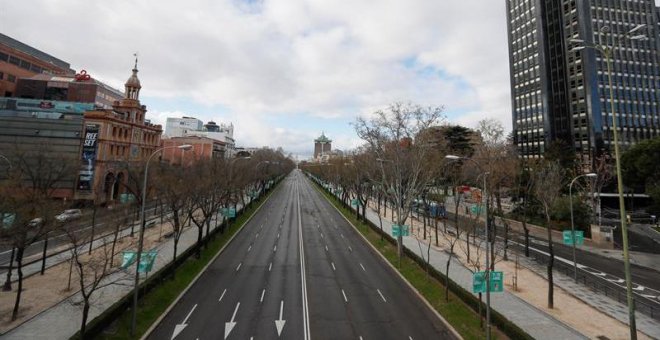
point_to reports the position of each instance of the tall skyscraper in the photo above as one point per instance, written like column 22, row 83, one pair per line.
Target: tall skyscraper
column 559, row 93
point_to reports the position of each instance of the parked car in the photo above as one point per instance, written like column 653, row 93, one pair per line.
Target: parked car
column 36, row 222
column 69, row 215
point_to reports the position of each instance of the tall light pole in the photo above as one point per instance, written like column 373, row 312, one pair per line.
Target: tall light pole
column 141, row 237
column 484, row 199
column 607, row 53
column 7, row 286
column 570, row 196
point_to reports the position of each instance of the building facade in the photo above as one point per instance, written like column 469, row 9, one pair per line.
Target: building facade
column 179, row 127
column 562, row 94
column 43, row 138
column 18, row 60
column 203, row 148
column 190, row 126
column 115, row 138
column 79, row 88
column 322, row 147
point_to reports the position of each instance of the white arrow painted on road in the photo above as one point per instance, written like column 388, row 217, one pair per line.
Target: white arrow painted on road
column 279, row 324
column 230, row 325
column 179, row 327
column 639, row 288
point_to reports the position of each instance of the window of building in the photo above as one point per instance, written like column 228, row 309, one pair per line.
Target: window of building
column 3, row 56
column 11, row 78
column 24, row 64
column 14, row 60
column 1, row 75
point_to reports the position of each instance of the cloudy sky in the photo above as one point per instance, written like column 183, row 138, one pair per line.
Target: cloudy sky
column 283, row 71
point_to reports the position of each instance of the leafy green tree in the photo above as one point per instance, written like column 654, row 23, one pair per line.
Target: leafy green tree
column 639, row 167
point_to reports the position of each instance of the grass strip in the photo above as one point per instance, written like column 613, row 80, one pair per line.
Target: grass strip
column 457, row 313
column 158, row 299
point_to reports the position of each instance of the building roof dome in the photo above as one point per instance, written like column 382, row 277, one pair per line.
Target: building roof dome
column 133, row 80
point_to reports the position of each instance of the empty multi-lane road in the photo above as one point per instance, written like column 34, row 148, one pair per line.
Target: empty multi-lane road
column 298, row 270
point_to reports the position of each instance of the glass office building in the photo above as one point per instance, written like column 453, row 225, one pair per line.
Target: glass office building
column 562, row 94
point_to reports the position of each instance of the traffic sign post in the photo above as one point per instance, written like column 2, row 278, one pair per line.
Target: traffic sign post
column 147, row 261
column 475, row 209
column 496, row 282
column 354, row 202
column 128, row 257
column 568, row 237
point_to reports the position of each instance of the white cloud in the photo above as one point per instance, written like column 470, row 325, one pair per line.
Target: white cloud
column 257, row 59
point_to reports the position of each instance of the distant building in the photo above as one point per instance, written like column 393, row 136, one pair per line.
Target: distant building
column 190, row 126
column 114, row 138
column 18, row 60
column 79, row 88
column 562, row 94
column 37, row 130
column 203, row 148
column 179, row 127
column 322, row 147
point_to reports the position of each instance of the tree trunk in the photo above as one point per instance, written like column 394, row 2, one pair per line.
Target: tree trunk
column 85, row 314
column 19, row 270
column 447, row 278
column 435, row 222
column 200, row 231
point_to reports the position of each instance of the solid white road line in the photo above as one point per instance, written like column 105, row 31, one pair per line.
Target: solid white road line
column 381, row 295
column 262, row 295
column 223, row 295
column 303, row 278
column 344, row 294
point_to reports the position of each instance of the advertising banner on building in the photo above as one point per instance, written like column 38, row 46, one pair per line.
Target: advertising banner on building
column 88, row 159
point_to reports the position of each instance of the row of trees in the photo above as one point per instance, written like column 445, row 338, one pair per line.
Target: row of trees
column 412, row 160
column 187, row 196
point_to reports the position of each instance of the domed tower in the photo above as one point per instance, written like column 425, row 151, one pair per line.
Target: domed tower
column 132, row 85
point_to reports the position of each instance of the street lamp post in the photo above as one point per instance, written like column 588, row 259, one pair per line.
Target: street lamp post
column 607, row 52
column 570, row 196
column 141, row 236
column 7, row 285
column 484, row 199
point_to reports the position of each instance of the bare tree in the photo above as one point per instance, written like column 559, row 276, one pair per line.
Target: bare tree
column 393, row 135
column 176, row 194
column 452, row 237
column 547, row 189
column 28, row 196
column 93, row 271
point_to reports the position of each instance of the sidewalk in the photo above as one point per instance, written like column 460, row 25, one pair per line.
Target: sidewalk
column 576, row 306
column 62, row 320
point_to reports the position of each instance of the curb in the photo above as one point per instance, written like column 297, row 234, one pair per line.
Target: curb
column 194, row 280
column 419, row 295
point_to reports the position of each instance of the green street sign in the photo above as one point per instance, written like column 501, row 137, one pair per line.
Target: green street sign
column 147, row 261
column 128, row 257
column 125, row 198
column 228, row 212
column 397, row 230
column 479, row 282
column 568, row 238
column 355, row 202
column 475, row 209
column 7, row 219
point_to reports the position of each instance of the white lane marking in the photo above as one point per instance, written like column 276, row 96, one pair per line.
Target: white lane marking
column 179, row 327
column 344, row 294
column 270, row 266
column 275, row 248
column 342, row 235
column 333, row 266
column 249, row 248
column 262, row 295
column 230, row 325
column 326, row 247
column 279, row 324
column 350, row 249
column 306, row 332
column 239, row 266
column 256, row 236
column 362, row 267
column 410, row 337
column 381, row 295
column 223, row 295
column 278, row 235
column 321, row 235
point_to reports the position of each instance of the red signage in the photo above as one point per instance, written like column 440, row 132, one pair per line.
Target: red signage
column 83, row 76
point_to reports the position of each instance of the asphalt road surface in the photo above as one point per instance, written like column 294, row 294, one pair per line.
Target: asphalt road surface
column 298, row 270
